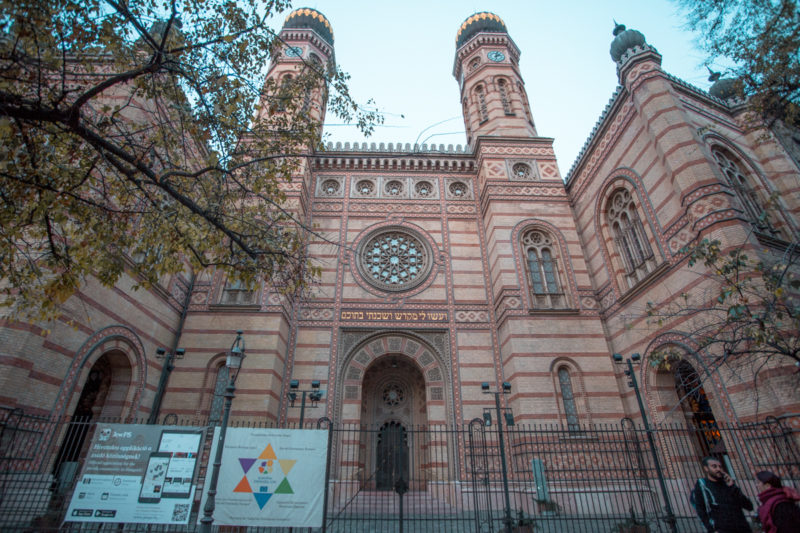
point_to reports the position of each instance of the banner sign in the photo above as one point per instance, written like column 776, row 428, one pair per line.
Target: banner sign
column 138, row 473
column 380, row 315
column 270, row 478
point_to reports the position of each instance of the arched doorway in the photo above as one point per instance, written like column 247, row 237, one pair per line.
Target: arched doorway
column 697, row 410
column 103, row 397
column 393, row 410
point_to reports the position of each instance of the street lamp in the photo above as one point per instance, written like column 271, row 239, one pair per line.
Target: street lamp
column 315, row 395
column 234, row 364
column 634, row 384
column 509, row 421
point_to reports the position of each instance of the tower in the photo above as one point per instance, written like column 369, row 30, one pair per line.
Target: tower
column 295, row 82
column 493, row 97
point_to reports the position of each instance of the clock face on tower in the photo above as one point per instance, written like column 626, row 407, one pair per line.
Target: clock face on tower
column 294, row 51
column 496, row 56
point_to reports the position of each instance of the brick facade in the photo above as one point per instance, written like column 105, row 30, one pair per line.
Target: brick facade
column 472, row 312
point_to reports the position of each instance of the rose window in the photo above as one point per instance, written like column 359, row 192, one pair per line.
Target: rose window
column 365, row 187
column 423, row 188
column 330, row 187
column 394, row 260
column 521, row 171
column 458, row 189
column 394, row 188
column 393, row 395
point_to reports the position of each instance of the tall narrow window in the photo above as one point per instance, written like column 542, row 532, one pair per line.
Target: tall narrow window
column 754, row 209
column 502, row 87
column 284, row 95
column 466, row 116
column 217, row 401
column 484, row 110
column 568, row 400
column 545, row 288
column 629, row 236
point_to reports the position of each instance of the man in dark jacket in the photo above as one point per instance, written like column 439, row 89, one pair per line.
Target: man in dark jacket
column 718, row 501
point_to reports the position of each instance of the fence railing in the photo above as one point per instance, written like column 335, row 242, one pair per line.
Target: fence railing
column 442, row 479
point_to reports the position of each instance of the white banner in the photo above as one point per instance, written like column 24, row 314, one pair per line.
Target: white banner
column 138, row 473
column 269, row 478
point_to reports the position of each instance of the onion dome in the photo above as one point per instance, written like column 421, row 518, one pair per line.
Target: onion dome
column 308, row 18
column 624, row 40
column 477, row 23
column 722, row 88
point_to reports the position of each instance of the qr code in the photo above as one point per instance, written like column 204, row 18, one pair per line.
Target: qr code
column 181, row 512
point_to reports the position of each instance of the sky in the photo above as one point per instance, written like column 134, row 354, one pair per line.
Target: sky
column 400, row 54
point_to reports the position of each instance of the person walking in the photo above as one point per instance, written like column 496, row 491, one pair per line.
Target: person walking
column 718, row 501
column 778, row 512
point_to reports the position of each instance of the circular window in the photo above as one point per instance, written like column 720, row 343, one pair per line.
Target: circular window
column 393, row 395
column 458, row 189
column 394, row 188
column 330, row 187
column 521, row 171
column 365, row 187
column 423, row 188
column 394, row 260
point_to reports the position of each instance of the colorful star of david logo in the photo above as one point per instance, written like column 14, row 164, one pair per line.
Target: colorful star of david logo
column 262, row 477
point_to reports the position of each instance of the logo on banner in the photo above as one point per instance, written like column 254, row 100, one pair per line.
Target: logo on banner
column 265, row 475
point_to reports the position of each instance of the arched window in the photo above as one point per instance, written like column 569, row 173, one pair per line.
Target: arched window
column 218, row 400
column 284, row 93
column 568, row 399
column 754, row 209
column 525, row 105
column 541, row 259
column 482, row 107
column 502, row 87
column 629, row 236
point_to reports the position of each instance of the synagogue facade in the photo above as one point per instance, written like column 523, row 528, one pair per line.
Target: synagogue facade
column 444, row 268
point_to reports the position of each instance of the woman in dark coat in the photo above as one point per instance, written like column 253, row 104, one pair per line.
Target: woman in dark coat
column 778, row 512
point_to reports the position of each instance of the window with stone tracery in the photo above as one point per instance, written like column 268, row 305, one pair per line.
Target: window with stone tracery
column 423, row 188
column 394, row 260
column 630, row 237
column 394, row 188
column 539, row 251
column 754, row 208
column 502, row 87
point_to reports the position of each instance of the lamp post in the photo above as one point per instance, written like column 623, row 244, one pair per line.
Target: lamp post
column 509, row 421
column 234, row 364
column 315, row 395
column 169, row 366
column 634, row 384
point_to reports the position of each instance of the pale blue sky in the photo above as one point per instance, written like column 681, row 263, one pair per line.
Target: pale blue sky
column 401, row 55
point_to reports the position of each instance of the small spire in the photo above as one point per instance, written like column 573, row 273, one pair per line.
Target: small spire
column 618, row 28
column 713, row 76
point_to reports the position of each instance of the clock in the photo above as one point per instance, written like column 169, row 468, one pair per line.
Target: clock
column 496, row 56
column 294, row 51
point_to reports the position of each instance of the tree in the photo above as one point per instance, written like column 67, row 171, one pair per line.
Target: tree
column 750, row 315
column 128, row 142
column 761, row 38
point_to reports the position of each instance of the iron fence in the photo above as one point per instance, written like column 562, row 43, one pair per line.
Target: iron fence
column 441, row 479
